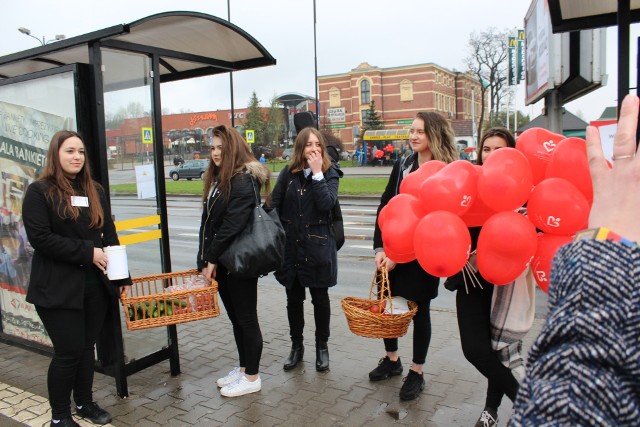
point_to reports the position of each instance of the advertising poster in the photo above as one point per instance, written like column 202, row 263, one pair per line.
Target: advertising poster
column 24, row 138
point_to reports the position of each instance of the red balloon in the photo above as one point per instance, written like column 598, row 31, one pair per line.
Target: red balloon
column 506, row 181
column 412, row 182
column 401, row 215
column 548, row 245
column 537, row 144
column 569, row 161
column 399, row 258
column 453, row 188
column 556, row 206
column 506, row 244
column 478, row 214
column 442, row 243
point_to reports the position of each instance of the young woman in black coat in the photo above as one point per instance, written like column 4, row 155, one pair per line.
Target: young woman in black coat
column 304, row 196
column 231, row 192
column 431, row 138
column 68, row 221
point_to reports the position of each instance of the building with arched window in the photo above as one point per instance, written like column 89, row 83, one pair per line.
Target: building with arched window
column 398, row 93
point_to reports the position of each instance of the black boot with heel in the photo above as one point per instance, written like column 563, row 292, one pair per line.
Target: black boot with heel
column 297, row 351
column 322, row 356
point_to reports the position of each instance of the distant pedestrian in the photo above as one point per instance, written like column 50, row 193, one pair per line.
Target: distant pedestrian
column 262, row 159
column 374, row 155
column 305, row 194
column 431, row 139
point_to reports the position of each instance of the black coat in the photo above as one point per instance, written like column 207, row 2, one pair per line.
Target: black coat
column 304, row 206
column 223, row 219
column 407, row 280
column 63, row 249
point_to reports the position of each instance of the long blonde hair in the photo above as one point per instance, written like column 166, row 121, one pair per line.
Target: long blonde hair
column 441, row 138
column 61, row 189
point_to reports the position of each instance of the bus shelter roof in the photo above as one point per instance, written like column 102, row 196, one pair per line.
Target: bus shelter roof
column 189, row 44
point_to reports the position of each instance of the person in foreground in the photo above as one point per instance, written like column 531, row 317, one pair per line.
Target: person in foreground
column 304, row 196
column 230, row 194
column 474, row 309
column 584, row 368
column 431, row 138
column 68, row 221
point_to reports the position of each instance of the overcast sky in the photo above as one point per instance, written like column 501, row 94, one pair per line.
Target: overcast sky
column 384, row 34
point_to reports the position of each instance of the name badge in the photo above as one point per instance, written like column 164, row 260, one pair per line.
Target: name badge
column 82, row 202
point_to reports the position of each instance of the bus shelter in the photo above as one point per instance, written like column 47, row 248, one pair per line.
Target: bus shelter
column 82, row 83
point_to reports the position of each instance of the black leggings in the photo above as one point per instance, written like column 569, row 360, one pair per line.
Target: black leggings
column 474, row 311
column 421, row 334
column 295, row 311
column 240, row 299
column 73, row 334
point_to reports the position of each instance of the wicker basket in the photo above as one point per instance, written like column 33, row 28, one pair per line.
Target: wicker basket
column 149, row 304
column 364, row 322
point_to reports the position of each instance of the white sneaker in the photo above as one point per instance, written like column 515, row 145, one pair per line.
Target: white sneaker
column 230, row 378
column 241, row 387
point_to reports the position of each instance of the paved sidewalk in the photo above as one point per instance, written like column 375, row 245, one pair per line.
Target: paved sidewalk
column 343, row 396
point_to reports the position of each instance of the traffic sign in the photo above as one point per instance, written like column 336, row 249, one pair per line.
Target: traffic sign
column 250, row 136
column 147, row 136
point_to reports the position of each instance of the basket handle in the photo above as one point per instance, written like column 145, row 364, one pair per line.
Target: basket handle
column 383, row 292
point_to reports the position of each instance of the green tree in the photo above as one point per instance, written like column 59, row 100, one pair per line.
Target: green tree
column 371, row 119
column 274, row 124
column 255, row 120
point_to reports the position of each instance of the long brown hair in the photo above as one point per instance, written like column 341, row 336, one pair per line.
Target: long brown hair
column 440, row 134
column 235, row 155
column 61, row 188
column 500, row 132
column 297, row 159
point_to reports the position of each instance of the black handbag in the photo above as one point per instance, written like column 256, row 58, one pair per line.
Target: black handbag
column 259, row 248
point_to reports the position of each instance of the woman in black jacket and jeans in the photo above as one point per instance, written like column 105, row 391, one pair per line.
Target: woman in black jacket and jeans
column 431, row 138
column 304, row 195
column 68, row 221
column 231, row 189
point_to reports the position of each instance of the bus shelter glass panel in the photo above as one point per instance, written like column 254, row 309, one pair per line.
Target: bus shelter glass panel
column 31, row 112
column 128, row 118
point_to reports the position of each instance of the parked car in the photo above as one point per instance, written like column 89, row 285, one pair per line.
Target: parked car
column 189, row 169
column 286, row 154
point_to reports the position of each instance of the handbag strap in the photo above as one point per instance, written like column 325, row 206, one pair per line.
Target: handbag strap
column 255, row 193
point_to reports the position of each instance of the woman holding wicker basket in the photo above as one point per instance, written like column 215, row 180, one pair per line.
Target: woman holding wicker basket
column 230, row 186
column 431, row 138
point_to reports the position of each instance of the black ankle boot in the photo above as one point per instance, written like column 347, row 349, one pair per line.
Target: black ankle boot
column 297, row 351
column 322, row 356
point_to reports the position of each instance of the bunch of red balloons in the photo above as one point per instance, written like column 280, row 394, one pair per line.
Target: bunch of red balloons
column 429, row 219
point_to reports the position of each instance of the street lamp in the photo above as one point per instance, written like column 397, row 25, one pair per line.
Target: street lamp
column 43, row 42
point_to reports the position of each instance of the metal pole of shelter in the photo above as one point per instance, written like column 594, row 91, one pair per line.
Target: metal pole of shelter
column 623, row 50
column 233, row 113
column 315, row 61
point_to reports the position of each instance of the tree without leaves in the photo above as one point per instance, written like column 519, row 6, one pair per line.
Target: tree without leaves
column 488, row 62
column 274, row 123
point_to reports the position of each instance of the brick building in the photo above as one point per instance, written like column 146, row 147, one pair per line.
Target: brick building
column 399, row 93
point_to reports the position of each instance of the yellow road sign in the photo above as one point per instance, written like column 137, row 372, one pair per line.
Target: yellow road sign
column 147, row 136
column 250, row 136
